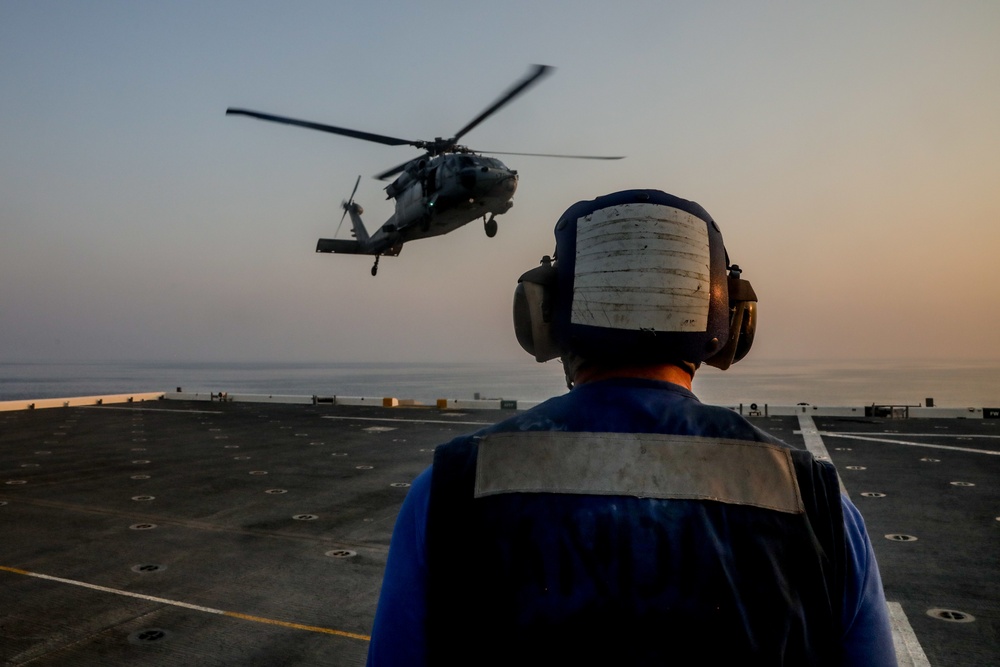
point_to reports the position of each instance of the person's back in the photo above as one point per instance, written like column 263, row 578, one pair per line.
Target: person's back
column 625, row 522
column 543, row 578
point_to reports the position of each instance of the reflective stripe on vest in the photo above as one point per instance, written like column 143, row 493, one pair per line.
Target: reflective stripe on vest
column 644, row 465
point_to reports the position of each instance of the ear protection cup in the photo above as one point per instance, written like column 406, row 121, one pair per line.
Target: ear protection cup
column 742, row 322
column 533, row 312
column 522, row 321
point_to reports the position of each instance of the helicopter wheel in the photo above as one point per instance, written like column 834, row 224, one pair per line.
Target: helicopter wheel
column 375, row 267
column 491, row 227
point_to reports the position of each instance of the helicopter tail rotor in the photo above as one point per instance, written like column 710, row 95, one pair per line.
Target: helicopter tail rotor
column 348, row 204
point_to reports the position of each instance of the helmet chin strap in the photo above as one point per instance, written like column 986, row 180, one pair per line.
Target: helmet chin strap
column 571, row 366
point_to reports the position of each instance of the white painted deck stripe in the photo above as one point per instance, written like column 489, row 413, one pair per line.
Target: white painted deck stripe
column 186, row 605
column 939, row 434
column 814, row 443
column 105, row 589
column 913, row 444
column 112, row 407
column 908, row 650
column 904, row 640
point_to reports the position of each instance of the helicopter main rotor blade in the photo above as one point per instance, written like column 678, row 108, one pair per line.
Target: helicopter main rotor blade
column 535, row 73
column 356, row 134
column 398, row 168
column 573, row 157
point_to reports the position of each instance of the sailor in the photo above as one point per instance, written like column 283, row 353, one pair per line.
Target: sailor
column 625, row 522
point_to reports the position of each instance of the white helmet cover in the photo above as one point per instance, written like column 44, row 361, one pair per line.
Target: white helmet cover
column 641, row 278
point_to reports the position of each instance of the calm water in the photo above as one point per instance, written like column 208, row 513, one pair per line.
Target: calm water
column 950, row 384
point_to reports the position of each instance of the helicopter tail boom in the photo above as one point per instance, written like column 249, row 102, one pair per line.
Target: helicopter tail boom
column 339, row 245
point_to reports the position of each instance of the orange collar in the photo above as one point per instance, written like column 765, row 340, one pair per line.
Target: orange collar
column 661, row 372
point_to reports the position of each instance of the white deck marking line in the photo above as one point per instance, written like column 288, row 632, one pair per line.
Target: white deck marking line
column 112, row 407
column 408, row 421
column 187, row 605
column 814, row 443
column 922, row 435
column 908, row 650
column 913, row 444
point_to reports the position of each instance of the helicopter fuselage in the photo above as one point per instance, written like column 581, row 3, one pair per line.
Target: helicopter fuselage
column 432, row 197
column 436, row 196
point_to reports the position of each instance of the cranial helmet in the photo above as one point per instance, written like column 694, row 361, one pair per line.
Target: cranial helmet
column 639, row 277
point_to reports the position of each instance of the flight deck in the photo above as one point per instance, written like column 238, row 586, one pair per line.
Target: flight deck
column 168, row 532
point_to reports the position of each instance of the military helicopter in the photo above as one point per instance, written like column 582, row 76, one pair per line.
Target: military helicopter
column 445, row 188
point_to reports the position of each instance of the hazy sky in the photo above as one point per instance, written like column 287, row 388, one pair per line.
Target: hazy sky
column 849, row 151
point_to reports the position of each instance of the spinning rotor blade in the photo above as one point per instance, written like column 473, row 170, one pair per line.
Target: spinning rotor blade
column 437, row 146
column 398, row 168
column 354, row 191
column 349, row 202
column 574, row 157
column 357, row 134
column 537, row 72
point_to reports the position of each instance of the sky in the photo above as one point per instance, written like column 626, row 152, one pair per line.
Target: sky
column 850, row 153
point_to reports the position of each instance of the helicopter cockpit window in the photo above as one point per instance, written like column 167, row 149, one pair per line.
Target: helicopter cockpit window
column 466, row 161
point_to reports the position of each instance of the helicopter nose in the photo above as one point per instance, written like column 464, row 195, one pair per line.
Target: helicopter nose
column 468, row 179
column 485, row 180
column 511, row 181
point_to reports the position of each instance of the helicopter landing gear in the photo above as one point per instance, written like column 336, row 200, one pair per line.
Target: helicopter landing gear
column 491, row 227
column 375, row 267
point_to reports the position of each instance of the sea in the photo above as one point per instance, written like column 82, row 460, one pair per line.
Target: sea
column 823, row 383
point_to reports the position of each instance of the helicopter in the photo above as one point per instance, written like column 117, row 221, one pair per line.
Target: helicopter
column 447, row 187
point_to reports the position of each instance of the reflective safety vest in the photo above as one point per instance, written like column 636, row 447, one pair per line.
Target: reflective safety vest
column 574, row 548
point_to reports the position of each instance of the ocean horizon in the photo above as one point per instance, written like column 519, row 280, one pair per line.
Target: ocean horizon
column 833, row 383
